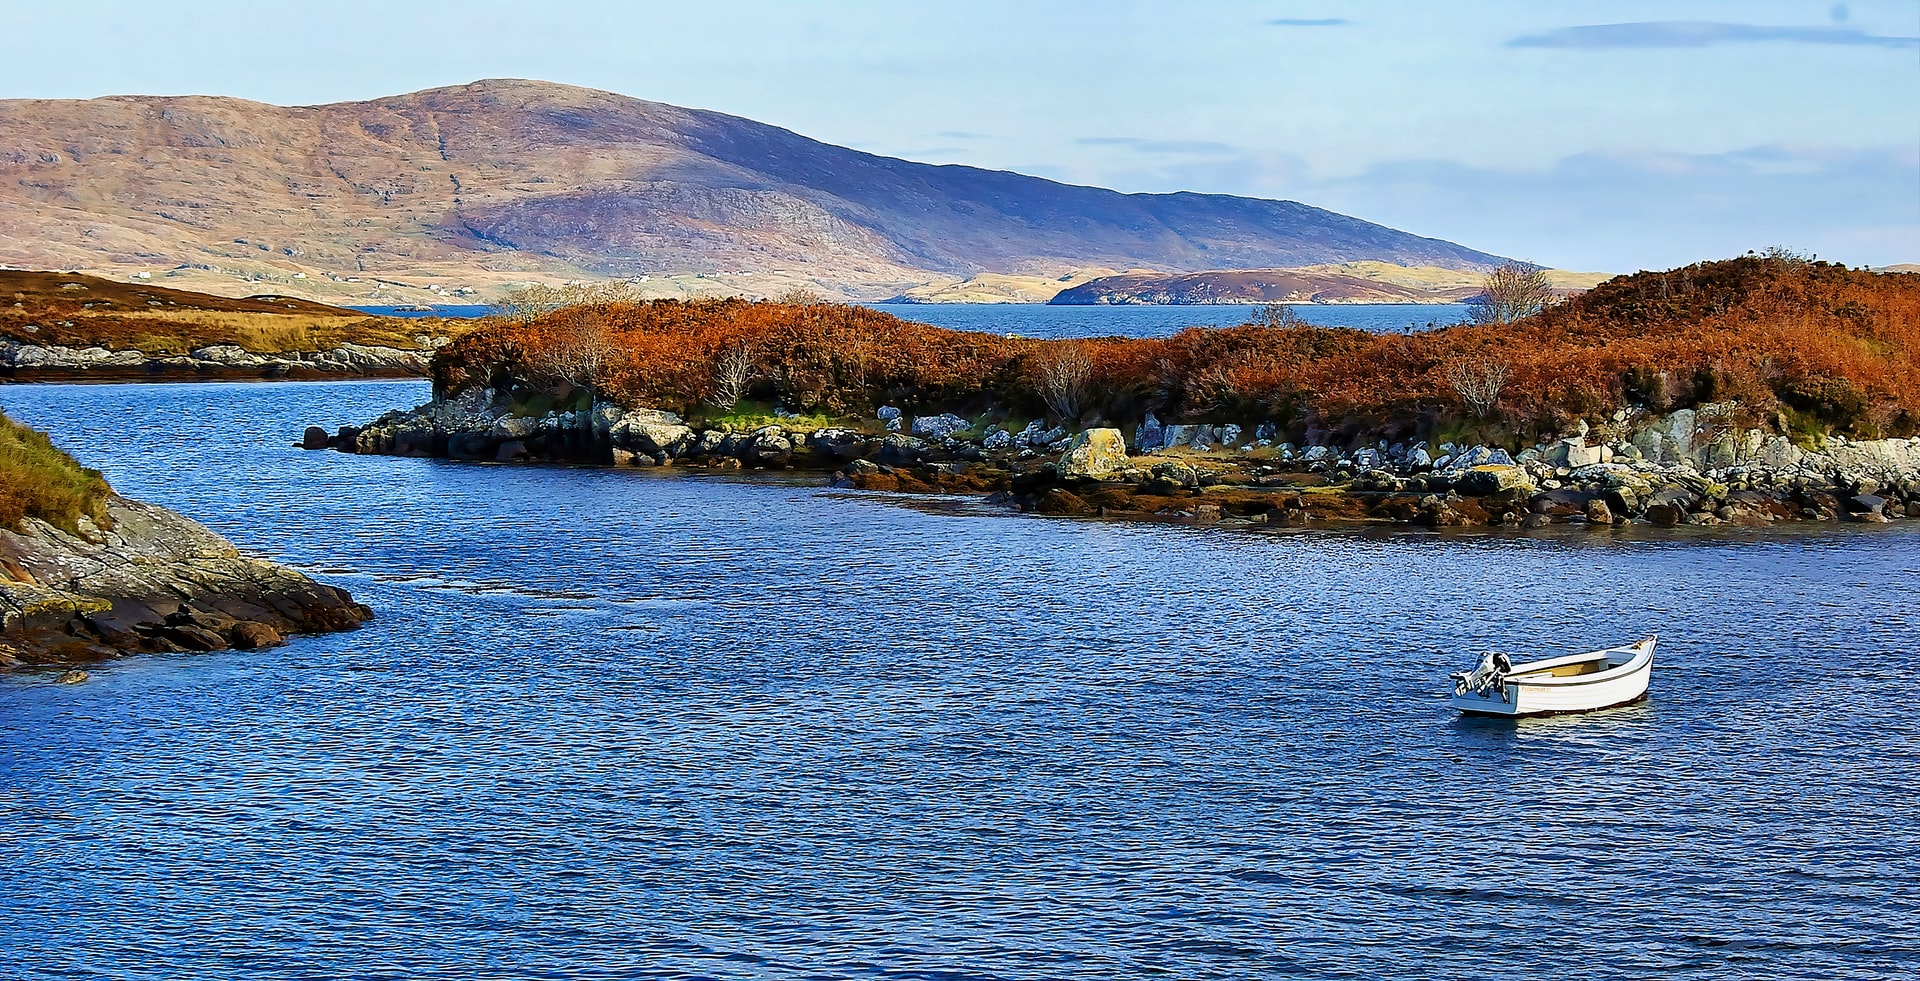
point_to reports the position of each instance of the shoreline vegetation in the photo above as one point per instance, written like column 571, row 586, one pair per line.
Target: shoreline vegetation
column 1744, row 391
column 71, row 327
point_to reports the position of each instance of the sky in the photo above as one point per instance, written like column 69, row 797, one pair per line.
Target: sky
column 1606, row 136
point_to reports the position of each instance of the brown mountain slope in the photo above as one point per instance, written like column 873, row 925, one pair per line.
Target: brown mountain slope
column 500, row 180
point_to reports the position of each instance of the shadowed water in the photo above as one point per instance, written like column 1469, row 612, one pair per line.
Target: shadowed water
column 612, row 724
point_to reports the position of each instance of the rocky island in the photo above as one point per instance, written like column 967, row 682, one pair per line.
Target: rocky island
column 1747, row 391
column 87, row 575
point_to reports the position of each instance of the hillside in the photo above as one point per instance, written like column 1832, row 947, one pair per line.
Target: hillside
column 473, row 187
column 1356, row 282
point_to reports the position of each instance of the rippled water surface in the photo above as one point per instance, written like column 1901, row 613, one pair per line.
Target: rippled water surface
column 610, row 724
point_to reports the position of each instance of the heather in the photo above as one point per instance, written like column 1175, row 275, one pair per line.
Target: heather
column 1796, row 346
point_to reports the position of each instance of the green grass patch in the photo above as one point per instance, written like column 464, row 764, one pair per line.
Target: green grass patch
column 39, row 480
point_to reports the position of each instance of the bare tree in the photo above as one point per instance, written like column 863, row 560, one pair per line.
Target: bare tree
column 1066, row 379
column 530, row 303
column 1479, row 383
column 731, row 372
column 1514, row 291
column 582, row 347
column 1274, row 315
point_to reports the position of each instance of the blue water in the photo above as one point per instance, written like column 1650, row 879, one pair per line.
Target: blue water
column 614, row 724
column 1041, row 320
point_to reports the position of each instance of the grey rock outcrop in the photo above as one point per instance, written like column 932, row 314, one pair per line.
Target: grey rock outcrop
column 156, row 581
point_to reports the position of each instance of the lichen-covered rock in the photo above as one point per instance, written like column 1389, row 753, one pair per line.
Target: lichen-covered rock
column 1096, row 454
column 1493, row 478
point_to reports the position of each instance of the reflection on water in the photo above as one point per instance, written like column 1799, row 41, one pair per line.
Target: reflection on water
column 618, row 724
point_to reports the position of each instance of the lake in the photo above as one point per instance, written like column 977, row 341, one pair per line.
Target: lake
column 1043, row 320
column 620, row 724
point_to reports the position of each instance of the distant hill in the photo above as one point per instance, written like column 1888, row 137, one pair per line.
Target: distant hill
column 1357, row 282
column 480, row 185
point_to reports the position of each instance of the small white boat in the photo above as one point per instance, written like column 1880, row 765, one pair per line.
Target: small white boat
column 1570, row 683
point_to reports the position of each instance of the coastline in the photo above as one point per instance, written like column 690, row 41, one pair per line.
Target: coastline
column 1657, row 476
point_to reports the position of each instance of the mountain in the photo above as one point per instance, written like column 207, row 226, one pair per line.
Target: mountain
column 479, row 185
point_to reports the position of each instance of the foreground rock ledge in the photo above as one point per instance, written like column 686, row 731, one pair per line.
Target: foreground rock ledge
column 157, row 582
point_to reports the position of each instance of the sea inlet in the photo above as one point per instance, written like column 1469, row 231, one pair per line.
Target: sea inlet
column 634, row 724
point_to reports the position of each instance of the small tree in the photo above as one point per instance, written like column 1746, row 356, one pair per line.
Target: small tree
column 577, row 348
column 1479, row 383
column 1274, row 315
column 1514, row 291
column 731, row 373
column 1066, row 379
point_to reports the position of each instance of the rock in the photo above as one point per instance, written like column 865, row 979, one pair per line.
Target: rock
column 940, row 426
column 1865, row 504
column 887, row 413
column 510, row 451
column 514, row 427
column 898, row 448
column 1574, row 452
column 1598, row 513
column 653, row 431
column 315, row 438
column 997, row 440
column 1150, row 435
column 1230, row 434
column 1493, row 478
column 250, row 635
column 1178, row 436
column 1532, row 521
column 1096, row 454
column 72, row 676
column 1419, row 459
column 1171, row 477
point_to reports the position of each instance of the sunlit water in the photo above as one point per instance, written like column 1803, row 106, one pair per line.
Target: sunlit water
column 1042, row 320
column 612, row 724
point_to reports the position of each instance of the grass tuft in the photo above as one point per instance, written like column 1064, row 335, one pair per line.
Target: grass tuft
column 39, row 480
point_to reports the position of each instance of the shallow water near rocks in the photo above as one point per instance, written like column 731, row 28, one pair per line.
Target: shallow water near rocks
column 614, row 724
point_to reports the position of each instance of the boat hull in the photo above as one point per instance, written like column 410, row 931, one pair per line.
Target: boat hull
column 1620, row 684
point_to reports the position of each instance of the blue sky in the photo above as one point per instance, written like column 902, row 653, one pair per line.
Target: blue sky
column 1592, row 135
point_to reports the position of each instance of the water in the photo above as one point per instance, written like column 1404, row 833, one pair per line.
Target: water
column 611, row 724
column 1042, row 320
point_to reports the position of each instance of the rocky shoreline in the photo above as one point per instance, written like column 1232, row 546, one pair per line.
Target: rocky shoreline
column 155, row 582
column 219, row 362
column 1689, row 467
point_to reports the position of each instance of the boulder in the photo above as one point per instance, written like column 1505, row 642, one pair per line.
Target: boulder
column 1598, row 513
column 315, row 438
column 1151, row 435
column 999, row 439
column 653, row 431
column 514, row 427
column 940, row 426
column 1096, row 454
column 887, row 413
column 1493, row 478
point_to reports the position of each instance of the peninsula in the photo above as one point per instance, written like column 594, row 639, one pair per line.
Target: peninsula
column 1744, row 391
